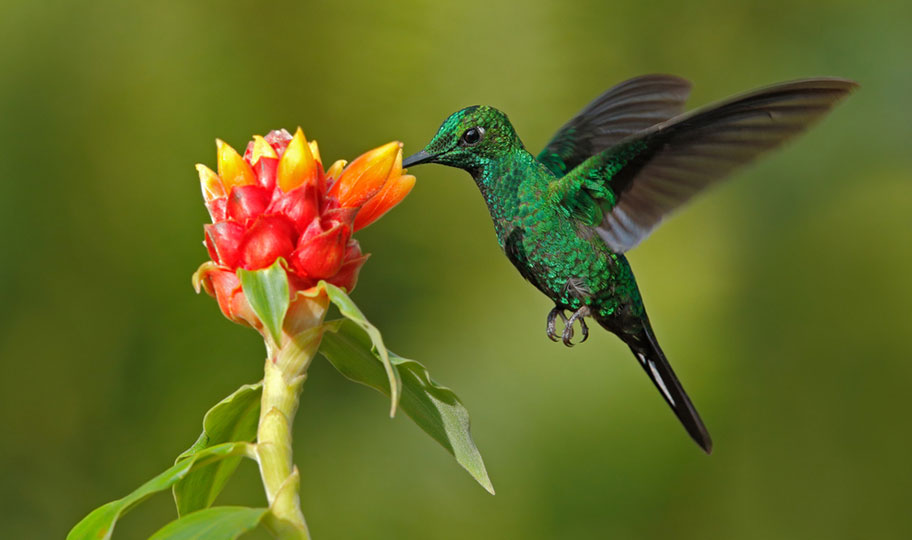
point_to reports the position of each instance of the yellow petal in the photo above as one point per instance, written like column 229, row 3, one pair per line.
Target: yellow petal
column 297, row 165
column 335, row 169
column 261, row 148
column 315, row 150
column 210, row 182
column 232, row 168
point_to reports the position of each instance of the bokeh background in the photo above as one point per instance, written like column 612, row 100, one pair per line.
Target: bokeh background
column 783, row 298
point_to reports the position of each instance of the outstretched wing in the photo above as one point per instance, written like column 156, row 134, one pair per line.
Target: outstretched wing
column 625, row 191
column 625, row 109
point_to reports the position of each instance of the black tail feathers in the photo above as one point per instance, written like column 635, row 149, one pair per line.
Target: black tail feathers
column 644, row 346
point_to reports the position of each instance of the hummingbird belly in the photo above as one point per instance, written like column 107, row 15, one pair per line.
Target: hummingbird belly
column 572, row 265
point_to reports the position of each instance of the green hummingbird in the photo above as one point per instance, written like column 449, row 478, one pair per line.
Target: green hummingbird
column 605, row 180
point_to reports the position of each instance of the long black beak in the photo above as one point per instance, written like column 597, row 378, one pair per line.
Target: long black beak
column 417, row 159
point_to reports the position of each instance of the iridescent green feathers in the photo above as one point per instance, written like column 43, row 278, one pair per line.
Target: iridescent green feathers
column 605, row 180
column 629, row 158
column 626, row 190
column 449, row 147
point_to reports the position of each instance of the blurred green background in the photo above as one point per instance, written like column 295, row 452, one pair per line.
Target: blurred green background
column 782, row 298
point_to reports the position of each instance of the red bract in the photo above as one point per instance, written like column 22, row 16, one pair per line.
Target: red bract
column 276, row 201
column 270, row 237
column 321, row 251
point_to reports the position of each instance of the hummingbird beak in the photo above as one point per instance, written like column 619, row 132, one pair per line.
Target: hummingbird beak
column 417, row 159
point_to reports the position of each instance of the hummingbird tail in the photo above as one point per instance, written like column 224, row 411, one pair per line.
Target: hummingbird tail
column 646, row 348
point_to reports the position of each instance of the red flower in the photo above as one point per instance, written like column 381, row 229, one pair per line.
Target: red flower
column 276, row 201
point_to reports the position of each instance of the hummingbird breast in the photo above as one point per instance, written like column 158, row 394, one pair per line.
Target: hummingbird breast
column 565, row 260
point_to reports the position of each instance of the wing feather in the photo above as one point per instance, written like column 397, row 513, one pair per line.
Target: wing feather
column 652, row 173
column 625, row 109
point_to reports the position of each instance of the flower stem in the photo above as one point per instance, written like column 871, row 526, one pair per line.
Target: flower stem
column 285, row 372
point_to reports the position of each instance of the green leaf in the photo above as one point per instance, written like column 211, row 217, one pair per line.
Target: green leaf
column 99, row 524
column 219, row 523
column 434, row 408
column 233, row 419
column 267, row 293
column 349, row 310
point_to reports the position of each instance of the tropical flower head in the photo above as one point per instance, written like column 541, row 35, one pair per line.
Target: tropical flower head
column 276, row 201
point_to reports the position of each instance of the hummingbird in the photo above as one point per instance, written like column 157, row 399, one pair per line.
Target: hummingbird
column 566, row 217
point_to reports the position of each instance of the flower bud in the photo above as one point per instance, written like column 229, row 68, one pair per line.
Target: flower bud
column 274, row 203
column 365, row 176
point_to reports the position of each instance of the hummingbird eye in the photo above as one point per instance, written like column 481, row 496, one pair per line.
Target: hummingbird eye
column 472, row 136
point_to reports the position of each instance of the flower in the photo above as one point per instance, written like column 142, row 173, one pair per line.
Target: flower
column 276, row 201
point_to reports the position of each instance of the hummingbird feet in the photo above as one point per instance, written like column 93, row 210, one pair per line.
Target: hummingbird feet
column 552, row 331
column 567, row 334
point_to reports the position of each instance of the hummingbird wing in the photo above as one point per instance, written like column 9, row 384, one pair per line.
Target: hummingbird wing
column 625, row 109
column 626, row 191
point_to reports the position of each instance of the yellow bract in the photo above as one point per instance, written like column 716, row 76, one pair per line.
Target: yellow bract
column 335, row 169
column 210, row 182
column 261, row 148
column 297, row 165
column 315, row 150
column 232, row 168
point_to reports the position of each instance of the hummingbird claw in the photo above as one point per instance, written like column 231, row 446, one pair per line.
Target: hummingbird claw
column 578, row 315
column 568, row 336
column 552, row 331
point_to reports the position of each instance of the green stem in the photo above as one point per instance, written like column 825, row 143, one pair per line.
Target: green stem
column 285, row 372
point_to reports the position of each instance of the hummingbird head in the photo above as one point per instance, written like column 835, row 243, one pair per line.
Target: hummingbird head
column 469, row 139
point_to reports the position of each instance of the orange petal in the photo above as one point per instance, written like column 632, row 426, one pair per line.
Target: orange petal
column 297, row 165
column 389, row 196
column 367, row 174
column 335, row 169
column 396, row 170
column 261, row 148
column 210, row 182
column 232, row 168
